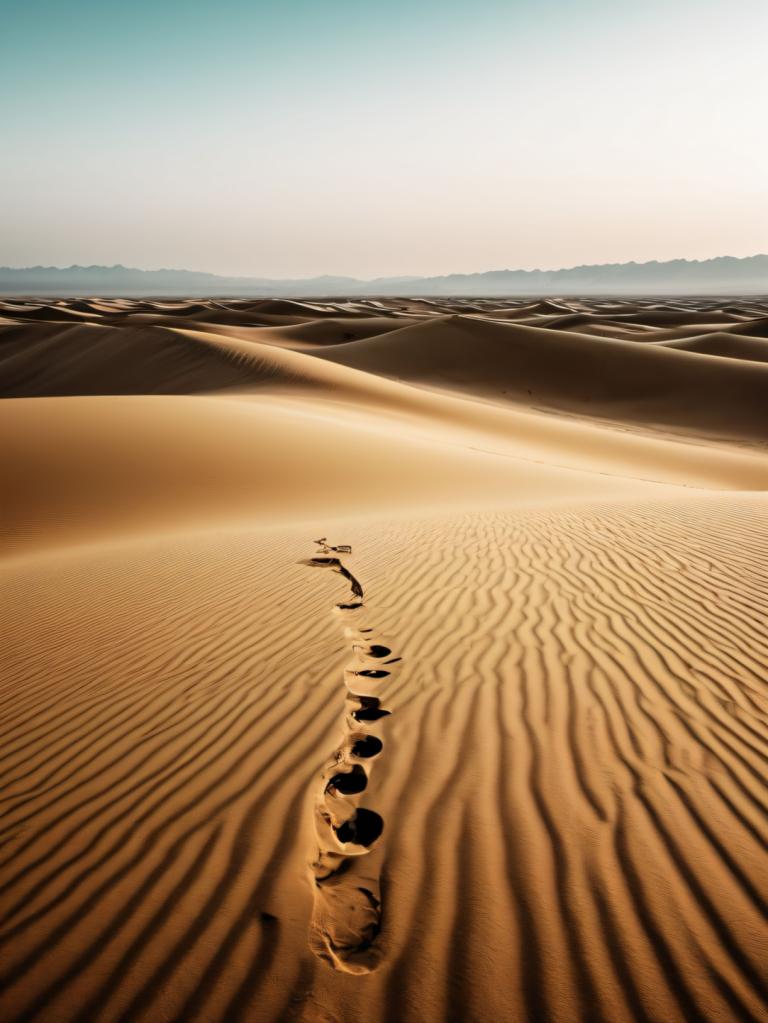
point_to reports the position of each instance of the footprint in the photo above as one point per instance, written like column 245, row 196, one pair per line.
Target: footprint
column 361, row 829
column 345, row 924
column 323, row 561
column 346, row 916
column 348, row 783
column 366, row 746
column 358, row 685
column 372, row 649
column 370, row 709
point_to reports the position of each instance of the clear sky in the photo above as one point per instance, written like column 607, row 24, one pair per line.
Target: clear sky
column 381, row 137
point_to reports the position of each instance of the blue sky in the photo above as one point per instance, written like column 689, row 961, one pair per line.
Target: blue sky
column 367, row 138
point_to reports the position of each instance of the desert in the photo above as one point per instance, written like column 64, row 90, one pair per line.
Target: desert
column 375, row 659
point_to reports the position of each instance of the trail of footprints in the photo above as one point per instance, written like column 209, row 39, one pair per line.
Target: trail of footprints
column 346, row 916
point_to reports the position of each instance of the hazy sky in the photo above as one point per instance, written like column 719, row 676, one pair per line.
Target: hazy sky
column 370, row 138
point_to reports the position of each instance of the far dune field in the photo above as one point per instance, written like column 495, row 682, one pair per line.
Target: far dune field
column 503, row 761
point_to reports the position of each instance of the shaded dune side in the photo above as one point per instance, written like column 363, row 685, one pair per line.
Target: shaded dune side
column 333, row 331
column 308, row 333
column 608, row 326
column 70, row 312
column 754, row 328
column 575, row 789
column 709, row 383
column 619, row 380
column 46, row 360
column 51, row 359
column 723, row 344
column 674, row 317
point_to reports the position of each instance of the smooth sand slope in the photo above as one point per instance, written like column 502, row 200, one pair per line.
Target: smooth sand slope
column 562, row 370
column 504, row 761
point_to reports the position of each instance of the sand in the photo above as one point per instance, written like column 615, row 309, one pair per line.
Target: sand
column 503, row 761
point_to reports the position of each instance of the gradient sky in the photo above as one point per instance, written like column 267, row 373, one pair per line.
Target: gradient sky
column 379, row 138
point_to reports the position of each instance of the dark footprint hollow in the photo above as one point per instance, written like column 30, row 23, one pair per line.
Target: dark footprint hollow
column 350, row 607
column 370, row 714
column 366, row 701
column 363, row 829
column 320, row 562
column 357, row 589
column 372, row 673
column 370, row 709
column 369, row 746
column 349, row 783
column 376, row 650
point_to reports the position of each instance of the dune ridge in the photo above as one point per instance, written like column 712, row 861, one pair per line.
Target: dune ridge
column 528, row 363
column 403, row 387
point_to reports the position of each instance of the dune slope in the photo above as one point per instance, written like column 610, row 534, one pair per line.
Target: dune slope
column 604, row 377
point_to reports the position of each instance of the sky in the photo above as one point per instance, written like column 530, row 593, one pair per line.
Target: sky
column 371, row 138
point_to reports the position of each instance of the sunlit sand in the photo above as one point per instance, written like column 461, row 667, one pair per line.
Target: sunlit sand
column 493, row 747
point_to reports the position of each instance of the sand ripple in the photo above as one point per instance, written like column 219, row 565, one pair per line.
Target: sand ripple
column 573, row 775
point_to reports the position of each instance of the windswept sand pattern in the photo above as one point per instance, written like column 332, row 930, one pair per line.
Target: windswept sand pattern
column 346, row 916
column 573, row 775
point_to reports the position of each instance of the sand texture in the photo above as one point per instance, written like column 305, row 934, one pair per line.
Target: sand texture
column 503, row 760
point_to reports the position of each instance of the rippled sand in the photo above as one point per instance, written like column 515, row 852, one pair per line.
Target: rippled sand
column 559, row 655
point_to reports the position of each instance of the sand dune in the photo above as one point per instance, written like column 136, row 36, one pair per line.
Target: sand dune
column 504, row 759
column 615, row 379
column 94, row 359
column 559, row 370
column 86, row 468
column 334, row 331
column 725, row 344
column 757, row 327
column 292, row 439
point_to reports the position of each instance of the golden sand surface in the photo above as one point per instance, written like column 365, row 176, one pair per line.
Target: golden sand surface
column 505, row 760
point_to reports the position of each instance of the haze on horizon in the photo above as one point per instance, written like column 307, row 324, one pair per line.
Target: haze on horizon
column 296, row 139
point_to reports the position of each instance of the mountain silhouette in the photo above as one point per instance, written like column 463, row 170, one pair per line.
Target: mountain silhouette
column 721, row 275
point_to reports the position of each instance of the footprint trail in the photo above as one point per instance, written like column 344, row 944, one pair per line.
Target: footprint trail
column 347, row 911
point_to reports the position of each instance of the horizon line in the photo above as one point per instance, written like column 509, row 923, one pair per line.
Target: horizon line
column 382, row 277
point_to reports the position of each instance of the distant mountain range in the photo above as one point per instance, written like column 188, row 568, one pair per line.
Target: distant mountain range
column 722, row 276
